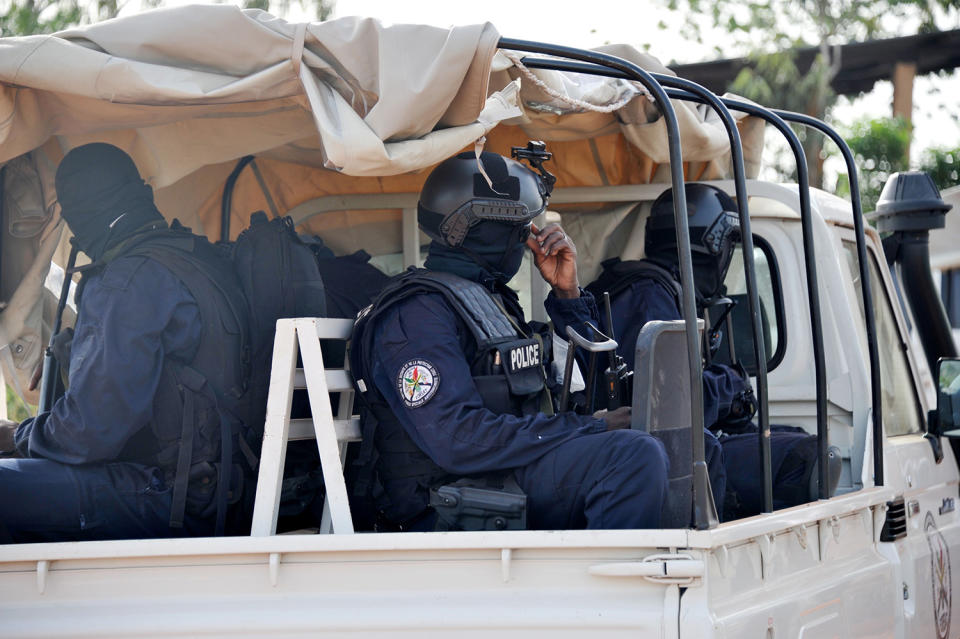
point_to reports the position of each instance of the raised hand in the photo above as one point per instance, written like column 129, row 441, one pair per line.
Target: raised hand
column 555, row 255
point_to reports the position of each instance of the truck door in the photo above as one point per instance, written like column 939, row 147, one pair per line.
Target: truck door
column 926, row 538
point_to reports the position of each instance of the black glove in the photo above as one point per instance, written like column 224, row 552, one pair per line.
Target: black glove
column 743, row 407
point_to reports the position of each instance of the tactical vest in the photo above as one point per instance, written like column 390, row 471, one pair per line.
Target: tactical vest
column 508, row 370
column 200, row 405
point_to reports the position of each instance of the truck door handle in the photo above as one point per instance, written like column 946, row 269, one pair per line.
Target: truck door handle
column 659, row 568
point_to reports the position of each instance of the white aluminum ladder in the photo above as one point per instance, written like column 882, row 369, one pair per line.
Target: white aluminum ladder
column 332, row 432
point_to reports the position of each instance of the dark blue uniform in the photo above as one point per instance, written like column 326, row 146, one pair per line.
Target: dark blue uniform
column 646, row 300
column 77, row 481
column 575, row 474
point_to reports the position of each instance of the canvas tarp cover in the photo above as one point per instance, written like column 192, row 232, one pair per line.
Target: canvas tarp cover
column 347, row 106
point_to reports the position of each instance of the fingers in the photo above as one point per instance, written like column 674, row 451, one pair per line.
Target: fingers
column 556, row 242
column 551, row 239
column 534, row 245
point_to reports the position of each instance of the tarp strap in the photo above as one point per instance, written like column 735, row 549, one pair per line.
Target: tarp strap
column 263, row 187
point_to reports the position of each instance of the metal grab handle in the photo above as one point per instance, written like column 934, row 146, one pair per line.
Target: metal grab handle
column 576, row 339
column 589, row 345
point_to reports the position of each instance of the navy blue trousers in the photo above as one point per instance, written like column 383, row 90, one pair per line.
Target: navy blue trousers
column 43, row 500
column 606, row 480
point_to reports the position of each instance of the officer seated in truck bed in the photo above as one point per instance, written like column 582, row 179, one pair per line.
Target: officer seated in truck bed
column 453, row 379
column 649, row 289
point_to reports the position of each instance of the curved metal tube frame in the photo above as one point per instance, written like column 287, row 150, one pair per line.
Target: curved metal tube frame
column 227, row 197
column 865, row 284
column 809, row 258
column 753, row 297
column 703, row 515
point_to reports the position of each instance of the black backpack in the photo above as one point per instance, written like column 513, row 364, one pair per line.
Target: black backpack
column 280, row 279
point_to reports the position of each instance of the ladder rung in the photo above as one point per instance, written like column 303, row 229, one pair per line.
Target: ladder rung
column 348, row 430
column 337, row 380
column 333, row 328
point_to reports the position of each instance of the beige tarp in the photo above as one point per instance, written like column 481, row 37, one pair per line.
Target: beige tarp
column 341, row 107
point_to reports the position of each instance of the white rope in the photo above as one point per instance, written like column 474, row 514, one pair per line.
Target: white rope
column 574, row 102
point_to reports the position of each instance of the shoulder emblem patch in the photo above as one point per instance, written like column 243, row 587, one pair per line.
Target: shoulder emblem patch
column 417, row 382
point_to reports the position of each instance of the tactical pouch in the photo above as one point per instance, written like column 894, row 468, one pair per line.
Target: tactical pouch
column 522, row 364
column 470, row 504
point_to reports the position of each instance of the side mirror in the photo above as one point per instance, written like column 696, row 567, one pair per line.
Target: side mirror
column 948, row 398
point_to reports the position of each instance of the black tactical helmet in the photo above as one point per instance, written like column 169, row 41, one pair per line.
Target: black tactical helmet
column 714, row 230
column 457, row 196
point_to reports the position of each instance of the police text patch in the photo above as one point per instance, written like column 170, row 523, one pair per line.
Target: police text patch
column 417, row 382
column 526, row 355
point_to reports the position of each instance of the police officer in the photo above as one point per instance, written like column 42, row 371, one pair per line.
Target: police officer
column 454, row 378
column 107, row 462
column 649, row 289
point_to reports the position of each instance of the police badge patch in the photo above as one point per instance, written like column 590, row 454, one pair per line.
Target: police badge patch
column 417, row 382
column 939, row 576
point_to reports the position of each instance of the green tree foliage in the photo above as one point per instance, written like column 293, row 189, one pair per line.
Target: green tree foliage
column 27, row 17
column 770, row 33
column 880, row 147
column 943, row 165
column 16, row 409
column 323, row 9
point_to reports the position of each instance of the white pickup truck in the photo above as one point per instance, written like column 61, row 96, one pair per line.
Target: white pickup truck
column 873, row 560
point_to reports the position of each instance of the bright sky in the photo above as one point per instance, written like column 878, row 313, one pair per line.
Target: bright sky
column 579, row 23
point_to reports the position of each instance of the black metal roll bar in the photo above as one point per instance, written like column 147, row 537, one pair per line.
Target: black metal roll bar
column 703, row 515
column 753, row 296
column 809, row 258
column 227, row 198
column 683, row 90
column 866, row 286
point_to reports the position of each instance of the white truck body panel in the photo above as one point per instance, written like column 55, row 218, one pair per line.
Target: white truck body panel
column 817, row 570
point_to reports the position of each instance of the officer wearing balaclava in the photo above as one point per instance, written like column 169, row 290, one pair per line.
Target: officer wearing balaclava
column 93, row 467
column 648, row 289
column 454, row 377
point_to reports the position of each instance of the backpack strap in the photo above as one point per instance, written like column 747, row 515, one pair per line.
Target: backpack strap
column 185, row 255
column 618, row 275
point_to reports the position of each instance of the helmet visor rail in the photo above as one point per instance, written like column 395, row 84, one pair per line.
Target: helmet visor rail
column 457, row 223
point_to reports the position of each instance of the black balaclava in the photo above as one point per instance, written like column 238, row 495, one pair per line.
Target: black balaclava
column 492, row 251
column 103, row 198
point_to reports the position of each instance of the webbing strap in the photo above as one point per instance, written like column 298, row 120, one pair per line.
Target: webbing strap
column 618, row 275
column 182, row 479
column 223, row 483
